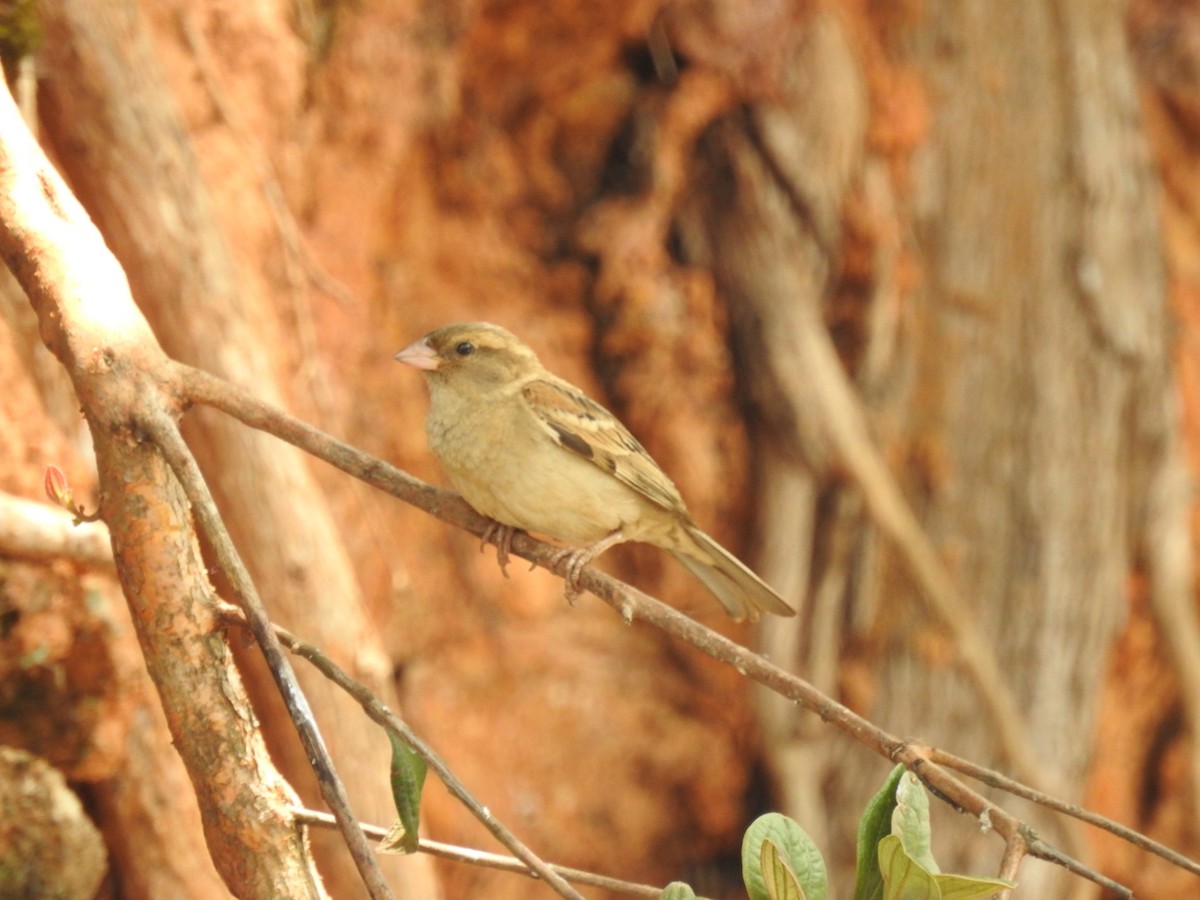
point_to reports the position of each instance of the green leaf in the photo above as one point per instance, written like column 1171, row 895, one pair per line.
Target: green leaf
column 968, row 887
column 677, row 890
column 795, row 848
column 408, row 778
column 778, row 879
column 903, row 877
column 910, row 821
column 873, row 827
column 906, row 879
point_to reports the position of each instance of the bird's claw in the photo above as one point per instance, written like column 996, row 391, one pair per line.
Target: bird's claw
column 574, row 561
column 501, row 535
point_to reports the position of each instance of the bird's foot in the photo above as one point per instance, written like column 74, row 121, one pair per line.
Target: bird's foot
column 575, row 559
column 501, row 535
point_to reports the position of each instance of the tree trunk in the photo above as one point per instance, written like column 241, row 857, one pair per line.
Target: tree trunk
column 1030, row 402
column 1041, row 397
column 116, row 126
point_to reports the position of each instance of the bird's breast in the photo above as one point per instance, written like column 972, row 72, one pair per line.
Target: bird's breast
column 509, row 468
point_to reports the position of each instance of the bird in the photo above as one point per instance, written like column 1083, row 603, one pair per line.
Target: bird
column 530, row 451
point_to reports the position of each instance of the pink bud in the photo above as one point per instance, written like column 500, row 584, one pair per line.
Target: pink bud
column 57, row 488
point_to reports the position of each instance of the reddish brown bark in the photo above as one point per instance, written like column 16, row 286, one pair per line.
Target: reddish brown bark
column 89, row 322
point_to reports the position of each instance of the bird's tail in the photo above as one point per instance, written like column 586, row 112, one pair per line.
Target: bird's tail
column 740, row 591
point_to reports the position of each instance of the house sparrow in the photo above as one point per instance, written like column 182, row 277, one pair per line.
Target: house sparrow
column 530, row 451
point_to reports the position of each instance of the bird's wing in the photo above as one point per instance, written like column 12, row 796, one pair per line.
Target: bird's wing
column 589, row 430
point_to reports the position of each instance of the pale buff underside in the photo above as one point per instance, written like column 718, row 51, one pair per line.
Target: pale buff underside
column 532, row 482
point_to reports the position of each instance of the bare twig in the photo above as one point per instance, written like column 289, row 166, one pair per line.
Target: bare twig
column 489, row 860
column 994, row 779
column 1042, row 850
column 166, row 436
column 379, row 712
column 1015, row 849
column 201, row 387
column 31, row 530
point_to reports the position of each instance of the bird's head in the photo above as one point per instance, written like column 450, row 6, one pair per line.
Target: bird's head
column 472, row 353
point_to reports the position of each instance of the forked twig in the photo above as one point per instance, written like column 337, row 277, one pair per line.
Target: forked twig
column 165, row 433
column 390, row 721
column 995, row 779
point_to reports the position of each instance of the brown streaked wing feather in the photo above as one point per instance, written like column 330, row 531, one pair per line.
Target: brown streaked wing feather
column 586, row 428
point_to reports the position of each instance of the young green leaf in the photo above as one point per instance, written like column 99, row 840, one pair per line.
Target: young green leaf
column 970, row 887
column 873, row 827
column 408, row 778
column 906, row 879
column 795, row 848
column 779, row 880
column 903, row 877
column 910, row 821
column 677, row 890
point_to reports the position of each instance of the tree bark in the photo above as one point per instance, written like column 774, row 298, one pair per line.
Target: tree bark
column 1041, row 383
column 88, row 320
column 115, row 126
column 1031, row 403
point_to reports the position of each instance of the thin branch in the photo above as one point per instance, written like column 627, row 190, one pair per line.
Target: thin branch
column 1042, row 850
column 1015, row 849
column 200, row 387
column 166, row 436
column 379, row 713
column 994, row 779
column 488, row 860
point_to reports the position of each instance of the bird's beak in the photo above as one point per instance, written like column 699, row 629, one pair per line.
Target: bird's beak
column 419, row 355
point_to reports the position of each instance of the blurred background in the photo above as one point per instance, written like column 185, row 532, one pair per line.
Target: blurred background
column 818, row 256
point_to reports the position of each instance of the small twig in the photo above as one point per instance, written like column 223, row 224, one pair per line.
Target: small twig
column 167, row 438
column 379, row 713
column 994, row 779
column 30, row 530
column 1042, row 850
column 1014, row 851
column 58, row 489
column 489, row 860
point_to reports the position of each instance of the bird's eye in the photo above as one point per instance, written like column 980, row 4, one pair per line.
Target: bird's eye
column 466, row 348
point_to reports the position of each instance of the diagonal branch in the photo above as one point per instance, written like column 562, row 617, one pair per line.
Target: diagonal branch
column 165, row 434
column 200, row 387
column 379, row 712
column 997, row 780
column 88, row 320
